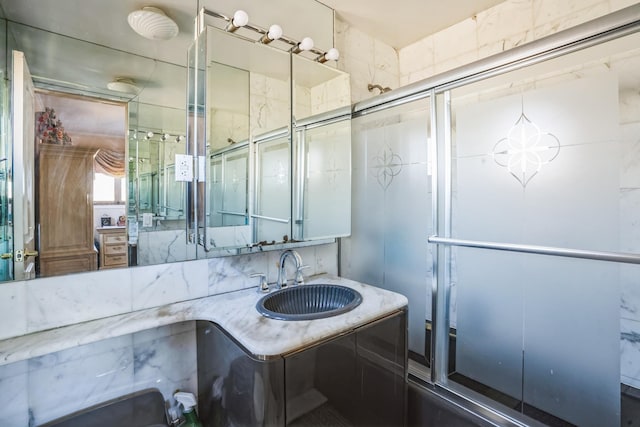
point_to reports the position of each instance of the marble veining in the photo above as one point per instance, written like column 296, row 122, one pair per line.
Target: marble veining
column 633, row 337
column 234, row 311
column 53, row 385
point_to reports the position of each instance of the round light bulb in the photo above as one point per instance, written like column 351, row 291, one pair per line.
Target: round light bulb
column 275, row 32
column 306, row 44
column 149, row 134
column 240, row 18
column 332, row 54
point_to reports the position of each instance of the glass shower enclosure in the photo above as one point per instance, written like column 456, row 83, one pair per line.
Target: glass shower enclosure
column 502, row 200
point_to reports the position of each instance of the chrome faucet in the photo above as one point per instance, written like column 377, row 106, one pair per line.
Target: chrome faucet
column 282, row 275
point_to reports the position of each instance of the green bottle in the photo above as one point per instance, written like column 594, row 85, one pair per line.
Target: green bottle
column 188, row 401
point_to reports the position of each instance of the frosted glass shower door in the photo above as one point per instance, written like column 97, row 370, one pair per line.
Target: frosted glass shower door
column 391, row 209
column 542, row 330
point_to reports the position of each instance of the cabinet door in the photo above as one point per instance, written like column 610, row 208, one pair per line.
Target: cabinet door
column 65, row 210
column 358, row 379
column 23, row 114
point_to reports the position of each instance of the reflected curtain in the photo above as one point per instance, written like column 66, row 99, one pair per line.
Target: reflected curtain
column 110, row 162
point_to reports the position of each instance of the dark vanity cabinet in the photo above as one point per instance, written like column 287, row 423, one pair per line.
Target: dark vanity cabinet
column 355, row 379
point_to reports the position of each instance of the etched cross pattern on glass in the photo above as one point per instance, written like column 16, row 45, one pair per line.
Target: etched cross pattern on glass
column 385, row 166
column 525, row 149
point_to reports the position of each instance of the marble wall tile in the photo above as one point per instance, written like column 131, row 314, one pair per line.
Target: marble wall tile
column 320, row 259
column 64, row 382
column 630, row 352
column 221, row 237
column 303, row 103
column 163, row 246
column 547, row 11
column 14, row 394
column 504, row 21
column 454, row 41
column 504, row 44
column 630, row 293
column 156, row 285
column 367, row 60
column 385, row 58
column 359, row 45
column 630, row 155
column 45, row 388
column 326, row 259
column 545, row 24
column 456, row 61
column 165, row 358
column 416, row 57
column 421, row 75
column 362, row 73
column 13, row 305
column 630, row 242
column 58, row 301
column 224, row 125
column 630, row 104
column 319, row 98
column 233, row 273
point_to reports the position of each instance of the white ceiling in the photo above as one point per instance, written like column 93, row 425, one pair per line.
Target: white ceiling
column 402, row 22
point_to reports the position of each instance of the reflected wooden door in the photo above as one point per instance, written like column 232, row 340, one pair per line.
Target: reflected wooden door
column 23, row 128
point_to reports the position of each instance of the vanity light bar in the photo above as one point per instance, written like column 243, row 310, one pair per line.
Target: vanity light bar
column 162, row 136
column 266, row 36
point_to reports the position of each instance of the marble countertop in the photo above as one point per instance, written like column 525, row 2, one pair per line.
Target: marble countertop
column 235, row 312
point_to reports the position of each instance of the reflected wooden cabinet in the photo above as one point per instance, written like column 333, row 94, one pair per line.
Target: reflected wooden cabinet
column 113, row 247
column 65, row 210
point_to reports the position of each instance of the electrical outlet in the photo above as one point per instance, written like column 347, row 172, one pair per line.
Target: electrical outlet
column 184, row 167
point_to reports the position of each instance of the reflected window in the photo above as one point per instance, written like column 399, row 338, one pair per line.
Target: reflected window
column 107, row 189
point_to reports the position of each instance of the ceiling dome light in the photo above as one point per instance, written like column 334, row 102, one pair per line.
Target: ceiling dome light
column 153, row 23
column 123, row 85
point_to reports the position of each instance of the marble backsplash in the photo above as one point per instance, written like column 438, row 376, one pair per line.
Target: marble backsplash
column 40, row 304
column 44, row 388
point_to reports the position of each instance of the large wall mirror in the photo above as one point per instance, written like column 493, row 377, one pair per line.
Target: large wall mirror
column 156, row 208
column 276, row 127
column 104, row 193
column 247, row 97
column 142, row 123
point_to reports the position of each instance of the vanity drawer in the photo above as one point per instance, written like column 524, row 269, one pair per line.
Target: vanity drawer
column 114, row 239
column 115, row 249
column 115, row 260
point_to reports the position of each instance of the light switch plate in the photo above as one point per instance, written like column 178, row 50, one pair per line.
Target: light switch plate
column 184, row 167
